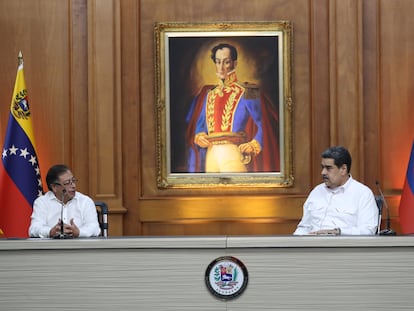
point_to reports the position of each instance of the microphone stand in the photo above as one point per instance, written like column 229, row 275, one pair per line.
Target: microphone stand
column 388, row 230
column 62, row 235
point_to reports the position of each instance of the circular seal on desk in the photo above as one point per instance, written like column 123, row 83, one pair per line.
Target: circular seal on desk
column 226, row 277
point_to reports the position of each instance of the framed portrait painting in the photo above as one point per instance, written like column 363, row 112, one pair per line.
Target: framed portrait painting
column 224, row 104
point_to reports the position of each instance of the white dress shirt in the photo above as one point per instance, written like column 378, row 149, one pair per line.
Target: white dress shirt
column 350, row 207
column 47, row 212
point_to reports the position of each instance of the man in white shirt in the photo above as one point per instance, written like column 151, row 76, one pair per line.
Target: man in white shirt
column 340, row 205
column 78, row 210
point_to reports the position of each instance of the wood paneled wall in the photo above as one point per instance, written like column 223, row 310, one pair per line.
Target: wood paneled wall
column 89, row 67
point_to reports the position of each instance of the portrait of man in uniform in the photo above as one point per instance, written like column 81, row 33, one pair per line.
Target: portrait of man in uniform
column 224, row 104
column 226, row 125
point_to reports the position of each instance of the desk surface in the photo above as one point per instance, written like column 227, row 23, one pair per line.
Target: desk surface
column 228, row 242
column 167, row 273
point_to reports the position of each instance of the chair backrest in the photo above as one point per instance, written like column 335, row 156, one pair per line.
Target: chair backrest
column 380, row 204
column 102, row 209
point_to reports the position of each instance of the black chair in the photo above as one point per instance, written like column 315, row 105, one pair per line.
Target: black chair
column 380, row 204
column 379, row 199
column 102, row 209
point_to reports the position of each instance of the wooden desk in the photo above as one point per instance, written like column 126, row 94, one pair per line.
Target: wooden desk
column 167, row 273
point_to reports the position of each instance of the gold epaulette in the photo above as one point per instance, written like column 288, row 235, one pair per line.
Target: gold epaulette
column 252, row 90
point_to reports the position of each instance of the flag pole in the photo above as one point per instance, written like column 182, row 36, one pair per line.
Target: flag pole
column 20, row 58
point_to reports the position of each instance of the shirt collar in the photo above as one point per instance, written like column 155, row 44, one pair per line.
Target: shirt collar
column 341, row 188
column 51, row 196
column 230, row 78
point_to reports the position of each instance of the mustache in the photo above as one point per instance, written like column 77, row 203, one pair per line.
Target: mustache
column 325, row 177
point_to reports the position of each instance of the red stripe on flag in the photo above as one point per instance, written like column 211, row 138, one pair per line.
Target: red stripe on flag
column 15, row 211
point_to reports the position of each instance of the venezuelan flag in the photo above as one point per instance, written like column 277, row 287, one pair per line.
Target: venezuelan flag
column 20, row 181
column 406, row 209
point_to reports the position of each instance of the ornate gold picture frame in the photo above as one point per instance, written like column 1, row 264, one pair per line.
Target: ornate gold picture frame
column 209, row 118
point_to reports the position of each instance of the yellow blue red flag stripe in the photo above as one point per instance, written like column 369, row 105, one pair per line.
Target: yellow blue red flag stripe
column 20, row 178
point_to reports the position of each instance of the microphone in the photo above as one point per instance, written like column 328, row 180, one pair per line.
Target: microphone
column 62, row 235
column 388, row 230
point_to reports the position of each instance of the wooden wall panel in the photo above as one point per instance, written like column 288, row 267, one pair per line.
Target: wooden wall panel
column 371, row 52
column 89, row 69
column 104, row 107
column 211, row 11
column 396, row 68
column 131, row 124
column 172, row 202
column 40, row 29
column 346, row 79
column 319, row 99
column 388, row 95
column 78, row 90
column 74, row 93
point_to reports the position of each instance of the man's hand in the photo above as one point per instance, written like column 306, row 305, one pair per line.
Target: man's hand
column 55, row 230
column 246, row 148
column 72, row 228
column 252, row 148
column 201, row 140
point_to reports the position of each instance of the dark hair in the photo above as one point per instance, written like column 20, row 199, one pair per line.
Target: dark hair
column 53, row 174
column 233, row 51
column 340, row 155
